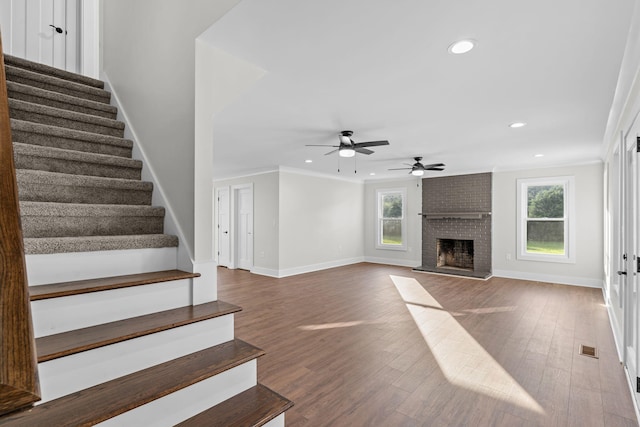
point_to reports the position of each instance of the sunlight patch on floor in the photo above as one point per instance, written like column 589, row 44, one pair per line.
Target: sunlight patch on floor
column 462, row 360
column 330, row 325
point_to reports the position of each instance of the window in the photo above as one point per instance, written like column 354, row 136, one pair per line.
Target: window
column 391, row 218
column 545, row 216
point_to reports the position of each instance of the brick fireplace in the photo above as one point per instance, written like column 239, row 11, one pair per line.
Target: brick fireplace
column 456, row 225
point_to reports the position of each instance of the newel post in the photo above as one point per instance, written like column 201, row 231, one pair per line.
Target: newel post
column 19, row 385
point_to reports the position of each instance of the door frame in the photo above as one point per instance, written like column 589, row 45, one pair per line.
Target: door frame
column 233, row 226
column 629, row 237
column 216, row 225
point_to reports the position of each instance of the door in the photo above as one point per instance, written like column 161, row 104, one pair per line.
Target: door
column 630, row 237
column 222, row 209
column 44, row 31
column 244, row 228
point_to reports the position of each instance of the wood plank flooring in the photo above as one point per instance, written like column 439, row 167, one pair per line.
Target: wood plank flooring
column 350, row 350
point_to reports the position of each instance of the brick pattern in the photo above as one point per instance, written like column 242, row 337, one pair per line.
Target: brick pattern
column 462, row 193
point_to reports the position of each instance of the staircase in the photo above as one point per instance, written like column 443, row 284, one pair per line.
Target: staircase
column 118, row 340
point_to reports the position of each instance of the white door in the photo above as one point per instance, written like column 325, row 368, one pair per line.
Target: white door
column 631, row 239
column 44, row 31
column 244, row 228
column 223, row 227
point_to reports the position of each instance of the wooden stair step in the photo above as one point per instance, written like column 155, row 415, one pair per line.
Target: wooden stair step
column 64, row 289
column 253, row 407
column 67, row 343
column 107, row 400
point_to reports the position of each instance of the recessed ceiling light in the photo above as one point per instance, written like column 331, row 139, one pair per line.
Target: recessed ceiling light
column 516, row 125
column 462, row 46
column 539, row 155
column 308, row 161
column 372, row 173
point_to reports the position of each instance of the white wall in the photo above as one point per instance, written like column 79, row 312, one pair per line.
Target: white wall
column 321, row 222
column 265, row 219
column 148, row 56
column 412, row 257
column 587, row 270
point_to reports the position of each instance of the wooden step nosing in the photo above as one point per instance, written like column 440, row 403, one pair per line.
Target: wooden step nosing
column 40, row 292
column 90, row 406
column 97, row 343
column 210, row 417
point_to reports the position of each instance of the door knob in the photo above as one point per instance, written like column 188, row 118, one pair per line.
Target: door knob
column 226, row 232
column 622, row 273
column 58, row 29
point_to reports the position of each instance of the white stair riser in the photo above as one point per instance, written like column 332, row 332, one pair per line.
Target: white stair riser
column 66, row 267
column 191, row 400
column 56, row 315
column 276, row 422
column 69, row 374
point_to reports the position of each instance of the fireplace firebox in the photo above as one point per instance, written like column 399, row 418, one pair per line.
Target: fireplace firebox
column 454, row 253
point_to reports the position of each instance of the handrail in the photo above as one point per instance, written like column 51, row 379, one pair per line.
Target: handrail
column 19, row 386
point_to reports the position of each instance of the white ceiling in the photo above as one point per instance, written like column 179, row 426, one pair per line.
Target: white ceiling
column 382, row 69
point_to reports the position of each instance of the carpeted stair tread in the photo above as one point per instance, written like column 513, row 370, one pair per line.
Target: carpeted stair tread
column 48, row 70
column 65, row 102
column 51, row 159
column 64, row 344
column 107, row 400
column 43, row 219
column 81, row 210
column 44, row 186
column 43, row 114
column 53, row 136
column 56, row 84
column 253, row 407
column 51, row 245
column 77, row 287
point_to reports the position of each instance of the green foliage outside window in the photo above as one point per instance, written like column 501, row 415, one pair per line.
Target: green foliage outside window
column 545, row 224
column 392, row 219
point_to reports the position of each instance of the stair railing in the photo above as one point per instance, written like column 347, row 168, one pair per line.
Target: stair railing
column 19, row 386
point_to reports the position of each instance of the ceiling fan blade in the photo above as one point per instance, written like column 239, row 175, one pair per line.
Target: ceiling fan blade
column 398, row 169
column 321, row 145
column 435, row 169
column 370, row 143
column 437, row 165
column 332, row 151
column 363, row 151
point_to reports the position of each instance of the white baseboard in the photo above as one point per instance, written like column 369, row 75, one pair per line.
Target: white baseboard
column 550, row 278
column 391, row 261
column 617, row 337
column 305, row 268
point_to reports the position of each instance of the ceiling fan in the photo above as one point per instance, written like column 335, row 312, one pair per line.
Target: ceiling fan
column 417, row 169
column 349, row 148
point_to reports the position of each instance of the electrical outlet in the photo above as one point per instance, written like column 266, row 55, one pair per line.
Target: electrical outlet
column 262, row 254
column 508, row 257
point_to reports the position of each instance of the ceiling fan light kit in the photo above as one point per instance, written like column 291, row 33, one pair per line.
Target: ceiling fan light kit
column 346, row 152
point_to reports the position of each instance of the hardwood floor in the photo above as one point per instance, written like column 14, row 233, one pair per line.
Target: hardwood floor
column 376, row 345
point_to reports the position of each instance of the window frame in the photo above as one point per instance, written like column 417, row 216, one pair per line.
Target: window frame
column 380, row 193
column 568, row 184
